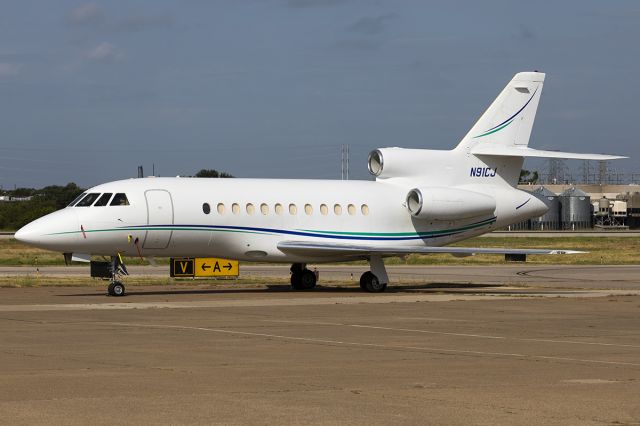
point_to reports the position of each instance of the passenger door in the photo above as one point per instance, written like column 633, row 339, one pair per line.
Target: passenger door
column 159, row 212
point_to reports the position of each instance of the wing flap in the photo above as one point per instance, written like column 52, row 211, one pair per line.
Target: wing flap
column 311, row 248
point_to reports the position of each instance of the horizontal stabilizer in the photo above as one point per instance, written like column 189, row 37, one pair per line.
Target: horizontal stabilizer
column 359, row 250
column 517, row 151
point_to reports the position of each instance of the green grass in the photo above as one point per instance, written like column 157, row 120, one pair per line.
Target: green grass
column 14, row 253
column 36, row 280
column 602, row 250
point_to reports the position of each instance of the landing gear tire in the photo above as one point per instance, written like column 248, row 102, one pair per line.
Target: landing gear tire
column 295, row 281
column 303, row 280
column 369, row 282
column 116, row 288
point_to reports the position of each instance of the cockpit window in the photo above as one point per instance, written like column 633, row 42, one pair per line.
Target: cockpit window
column 88, row 200
column 103, row 200
column 78, row 198
column 120, row 200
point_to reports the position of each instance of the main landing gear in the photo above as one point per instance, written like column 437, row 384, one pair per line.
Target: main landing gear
column 117, row 268
column 375, row 280
column 302, row 278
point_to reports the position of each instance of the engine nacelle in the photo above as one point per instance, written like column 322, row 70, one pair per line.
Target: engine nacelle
column 435, row 203
column 399, row 162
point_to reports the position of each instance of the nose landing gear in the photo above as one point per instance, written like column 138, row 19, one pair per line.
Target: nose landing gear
column 110, row 270
column 116, row 288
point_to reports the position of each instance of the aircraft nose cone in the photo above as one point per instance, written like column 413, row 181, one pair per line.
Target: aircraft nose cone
column 26, row 235
column 51, row 231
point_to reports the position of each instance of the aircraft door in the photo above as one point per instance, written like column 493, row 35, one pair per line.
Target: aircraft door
column 159, row 212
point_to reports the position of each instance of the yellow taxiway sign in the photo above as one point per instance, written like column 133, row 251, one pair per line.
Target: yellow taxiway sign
column 204, row 267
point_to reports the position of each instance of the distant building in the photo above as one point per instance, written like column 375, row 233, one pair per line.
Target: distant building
column 8, row 198
column 587, row 206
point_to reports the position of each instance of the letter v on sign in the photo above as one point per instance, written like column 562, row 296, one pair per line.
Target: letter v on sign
column 181, row 267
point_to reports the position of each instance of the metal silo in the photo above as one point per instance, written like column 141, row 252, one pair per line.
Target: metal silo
column 551, row 219
column 575, row 209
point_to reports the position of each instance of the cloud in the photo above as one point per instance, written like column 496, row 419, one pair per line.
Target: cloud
column 371, row 25
column 91, row 15
column 144, row 22
column 526, row 33
column 105, row 52
column 87, row 14
column 9, row 69
column 313, row 3
column 359, row 44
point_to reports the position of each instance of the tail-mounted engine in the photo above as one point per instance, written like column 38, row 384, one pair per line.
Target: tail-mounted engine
column 434, row 203
column 399, row 162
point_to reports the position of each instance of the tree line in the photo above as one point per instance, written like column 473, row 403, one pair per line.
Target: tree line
column 16, row 214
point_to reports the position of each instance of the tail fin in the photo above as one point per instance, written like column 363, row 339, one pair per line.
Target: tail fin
column 509, row 119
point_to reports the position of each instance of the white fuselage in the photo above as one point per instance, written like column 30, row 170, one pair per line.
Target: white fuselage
column 248, row 218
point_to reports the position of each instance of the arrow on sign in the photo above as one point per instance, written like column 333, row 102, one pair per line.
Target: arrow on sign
column 205, row 267
column 228, row 266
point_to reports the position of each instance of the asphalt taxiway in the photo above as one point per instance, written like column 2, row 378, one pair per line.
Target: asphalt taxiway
column 463, row 347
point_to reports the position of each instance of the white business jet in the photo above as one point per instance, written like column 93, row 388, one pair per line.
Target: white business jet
column 421, row 201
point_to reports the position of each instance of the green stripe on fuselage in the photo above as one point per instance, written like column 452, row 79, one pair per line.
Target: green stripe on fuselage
column 258, row 232
column 402, row 234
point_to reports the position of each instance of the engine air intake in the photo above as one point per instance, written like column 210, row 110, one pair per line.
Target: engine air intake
column 437, row 203
column 375, row 162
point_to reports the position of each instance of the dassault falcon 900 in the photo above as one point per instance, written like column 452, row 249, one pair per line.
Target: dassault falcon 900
column 421, row 201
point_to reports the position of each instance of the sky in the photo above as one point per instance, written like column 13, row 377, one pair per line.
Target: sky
column 274, row 88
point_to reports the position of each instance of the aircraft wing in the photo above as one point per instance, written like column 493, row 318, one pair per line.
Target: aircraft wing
column 360, row 250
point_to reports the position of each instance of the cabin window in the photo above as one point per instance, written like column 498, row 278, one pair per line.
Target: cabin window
column 103, row 200
column 78, row 198
column 119, row 200
column 351, row 209
column 220, row 208
column 235, row 208
column 278, row 209
column 206, row 208
column 324, row 210
column 364, row 209
column 293, row 209
column 337, row 209
column 250, row 208
column 308, row 209
column 264, row 209
column 88, row 200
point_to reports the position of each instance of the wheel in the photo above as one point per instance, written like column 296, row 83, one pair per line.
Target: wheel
column 296, row 281
column 369, row 282
column 363, row 281
column 116, row 289
column 305, row 280
column 308, row 279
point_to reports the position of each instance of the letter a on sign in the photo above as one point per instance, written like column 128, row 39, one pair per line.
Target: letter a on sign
column 215, row 267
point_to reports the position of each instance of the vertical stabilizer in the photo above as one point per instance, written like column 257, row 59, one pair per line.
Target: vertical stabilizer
column 509, row 119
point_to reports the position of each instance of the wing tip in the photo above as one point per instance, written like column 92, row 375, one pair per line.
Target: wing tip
column 567, row 252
